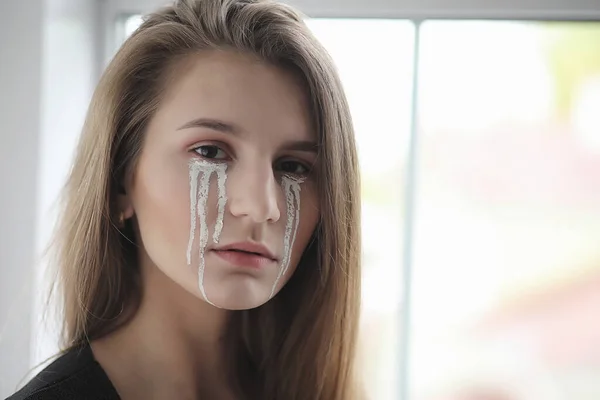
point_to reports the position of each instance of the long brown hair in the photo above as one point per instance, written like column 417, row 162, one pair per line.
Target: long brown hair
column 299, row 345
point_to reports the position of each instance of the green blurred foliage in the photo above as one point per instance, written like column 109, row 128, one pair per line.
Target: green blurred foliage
column 573, row 51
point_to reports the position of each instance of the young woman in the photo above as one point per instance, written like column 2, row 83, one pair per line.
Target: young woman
column 209, row 246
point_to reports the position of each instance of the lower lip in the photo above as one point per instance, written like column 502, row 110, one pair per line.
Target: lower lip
column 241, row 259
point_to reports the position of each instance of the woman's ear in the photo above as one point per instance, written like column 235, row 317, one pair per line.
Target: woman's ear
column 125, row 204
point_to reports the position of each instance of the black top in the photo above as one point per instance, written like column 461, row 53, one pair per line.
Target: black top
column 76, row 375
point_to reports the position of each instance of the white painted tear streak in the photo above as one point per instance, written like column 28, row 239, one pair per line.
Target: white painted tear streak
column 200, row 172
column 193, row 205
column 291, row 188
column 221, row 179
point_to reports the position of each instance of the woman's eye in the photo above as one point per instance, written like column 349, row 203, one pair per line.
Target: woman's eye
column 293, row 167
column 211, row 152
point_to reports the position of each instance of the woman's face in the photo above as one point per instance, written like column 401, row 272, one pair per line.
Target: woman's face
column 222, row 193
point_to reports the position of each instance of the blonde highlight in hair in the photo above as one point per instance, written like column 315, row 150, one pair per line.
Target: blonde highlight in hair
column 301, row 344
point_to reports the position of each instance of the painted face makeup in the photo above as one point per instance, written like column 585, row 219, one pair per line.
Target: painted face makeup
column 200, row 172
column 291, row 188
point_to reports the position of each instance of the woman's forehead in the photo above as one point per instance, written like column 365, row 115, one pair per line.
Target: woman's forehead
column 248, row 93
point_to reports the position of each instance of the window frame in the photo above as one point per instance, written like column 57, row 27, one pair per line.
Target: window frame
column 418, row 9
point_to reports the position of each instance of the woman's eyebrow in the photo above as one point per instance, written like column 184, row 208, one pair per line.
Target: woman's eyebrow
column 301, row 145
column 211, row 123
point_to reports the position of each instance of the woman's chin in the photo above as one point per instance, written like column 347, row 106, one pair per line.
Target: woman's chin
column 237, row 304
column 234, row 296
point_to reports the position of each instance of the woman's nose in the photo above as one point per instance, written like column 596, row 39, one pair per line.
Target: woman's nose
column 254, row 193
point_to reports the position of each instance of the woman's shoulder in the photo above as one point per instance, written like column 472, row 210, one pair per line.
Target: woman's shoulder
column 74, row 375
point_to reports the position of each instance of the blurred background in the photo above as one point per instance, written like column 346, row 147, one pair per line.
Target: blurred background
column 479, row 139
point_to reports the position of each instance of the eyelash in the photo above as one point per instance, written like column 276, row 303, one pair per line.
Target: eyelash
column 307, row 168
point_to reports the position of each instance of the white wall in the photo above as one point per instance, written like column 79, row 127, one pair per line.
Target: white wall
column 20, row 121
column 48, row 54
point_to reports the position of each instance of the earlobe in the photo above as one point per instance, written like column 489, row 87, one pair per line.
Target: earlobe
column 128, row 212
column 125, row 206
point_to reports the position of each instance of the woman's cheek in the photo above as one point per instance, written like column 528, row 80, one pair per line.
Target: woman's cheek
column 162, row 205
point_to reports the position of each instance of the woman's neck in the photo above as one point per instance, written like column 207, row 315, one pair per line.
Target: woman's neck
column 172, row 347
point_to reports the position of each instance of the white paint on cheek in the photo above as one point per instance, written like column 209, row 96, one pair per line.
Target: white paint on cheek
column 296, row 189
column 200, row 173
column 193, row 204
column 203, row 189
column 221, row 178
column 291, row 188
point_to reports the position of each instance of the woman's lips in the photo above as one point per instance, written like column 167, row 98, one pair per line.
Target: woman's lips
column 244, row 259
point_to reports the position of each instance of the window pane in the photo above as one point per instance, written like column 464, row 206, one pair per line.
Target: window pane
column 374, row 59
column 507, row 251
